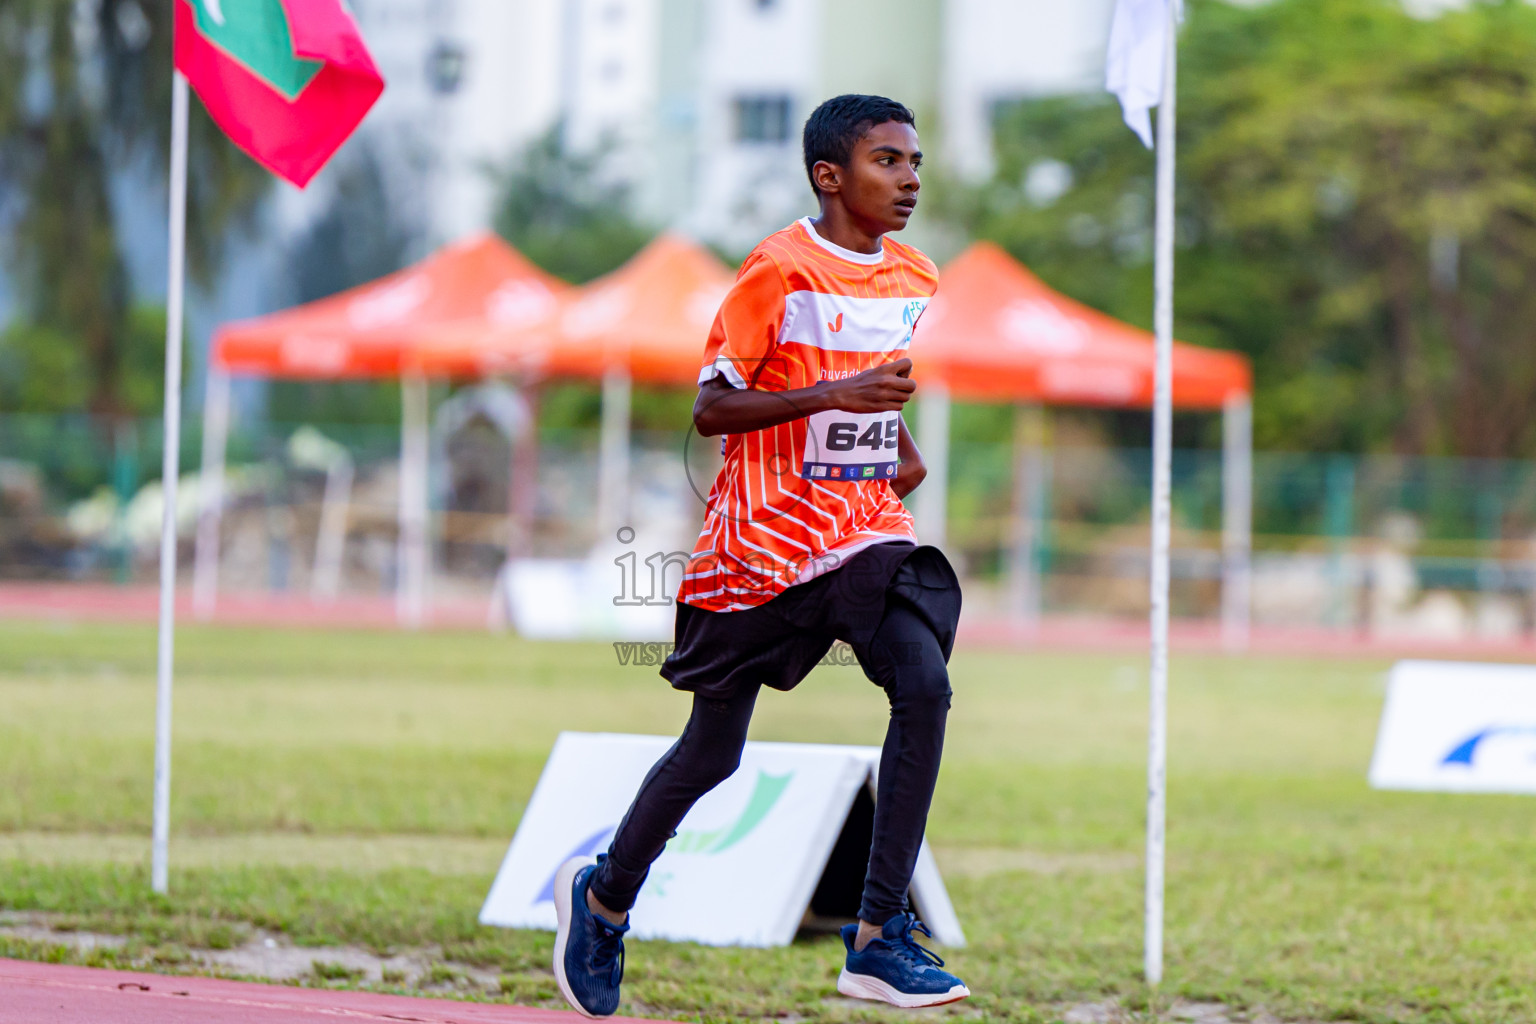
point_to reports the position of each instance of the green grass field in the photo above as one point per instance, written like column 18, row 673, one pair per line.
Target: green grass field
column 359, row 788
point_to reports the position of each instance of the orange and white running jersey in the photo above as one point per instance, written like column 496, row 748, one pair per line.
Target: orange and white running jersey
column 797, row 500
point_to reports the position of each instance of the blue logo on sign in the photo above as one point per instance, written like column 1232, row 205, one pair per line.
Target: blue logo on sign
column 1466, row 750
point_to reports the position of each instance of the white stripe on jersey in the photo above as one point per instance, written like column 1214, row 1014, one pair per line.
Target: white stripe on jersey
column 841, row 323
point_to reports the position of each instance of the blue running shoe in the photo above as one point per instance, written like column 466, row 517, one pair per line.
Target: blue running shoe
column 589, row 951
column 895, row 969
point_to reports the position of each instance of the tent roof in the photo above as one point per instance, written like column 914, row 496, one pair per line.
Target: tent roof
column 656, row 309
column 996, row 332
column 367, row 331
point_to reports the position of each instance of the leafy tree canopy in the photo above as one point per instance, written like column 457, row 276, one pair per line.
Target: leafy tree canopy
column 85, row 90
column 561, row 210
column 1356, row 212
column 361, row 236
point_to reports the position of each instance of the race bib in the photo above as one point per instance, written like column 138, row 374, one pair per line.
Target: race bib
column 851, row 445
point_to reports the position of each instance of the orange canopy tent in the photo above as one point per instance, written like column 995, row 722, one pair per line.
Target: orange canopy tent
column 649, row 318
column 995, row 332
column 370, row 331
column 646, row 321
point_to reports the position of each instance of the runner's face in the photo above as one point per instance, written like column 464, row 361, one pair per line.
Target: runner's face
column 881, row 183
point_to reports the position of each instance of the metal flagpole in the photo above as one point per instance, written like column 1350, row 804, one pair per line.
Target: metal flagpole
column 170, row 468
column 1162, row 458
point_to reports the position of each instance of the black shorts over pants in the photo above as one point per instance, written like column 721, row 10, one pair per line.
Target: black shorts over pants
column 778, row 643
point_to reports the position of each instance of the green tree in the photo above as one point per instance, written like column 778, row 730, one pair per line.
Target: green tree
column 564, row 213
column 360, row 237
column 1356, row 212
column 85, row 90
column 561, row 211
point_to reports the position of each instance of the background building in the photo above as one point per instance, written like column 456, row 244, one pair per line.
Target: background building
column 697, row 104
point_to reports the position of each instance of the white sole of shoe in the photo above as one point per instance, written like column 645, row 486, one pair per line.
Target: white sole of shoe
column 862, row 986
column 563, row 881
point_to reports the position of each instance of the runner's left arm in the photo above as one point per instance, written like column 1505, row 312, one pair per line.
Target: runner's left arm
column 912, row 470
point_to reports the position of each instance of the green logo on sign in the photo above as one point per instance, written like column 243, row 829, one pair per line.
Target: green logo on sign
column 764, row 795
column 254, row 34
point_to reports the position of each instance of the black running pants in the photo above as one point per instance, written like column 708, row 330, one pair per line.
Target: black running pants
column 906, row 660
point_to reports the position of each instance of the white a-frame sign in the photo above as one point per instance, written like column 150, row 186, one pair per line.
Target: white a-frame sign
column 782, row 842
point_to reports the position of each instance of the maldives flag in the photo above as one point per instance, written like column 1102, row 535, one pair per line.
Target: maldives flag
column 287, row 80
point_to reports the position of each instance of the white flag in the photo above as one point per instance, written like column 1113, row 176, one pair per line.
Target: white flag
column 1134, row 68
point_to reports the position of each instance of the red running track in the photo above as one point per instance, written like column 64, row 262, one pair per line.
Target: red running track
column 98, row 602
column 34, row 993
column 104, row 602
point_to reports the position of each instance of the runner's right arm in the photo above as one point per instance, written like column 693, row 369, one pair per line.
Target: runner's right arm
column 722, row 408
column 740, row 358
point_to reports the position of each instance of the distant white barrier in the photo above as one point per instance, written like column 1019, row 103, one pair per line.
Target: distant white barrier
column 1458, row 727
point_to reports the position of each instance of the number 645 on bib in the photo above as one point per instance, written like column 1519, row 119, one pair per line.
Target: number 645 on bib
column 851, row 446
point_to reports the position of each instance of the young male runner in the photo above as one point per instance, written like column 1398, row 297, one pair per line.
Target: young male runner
column 805, row 541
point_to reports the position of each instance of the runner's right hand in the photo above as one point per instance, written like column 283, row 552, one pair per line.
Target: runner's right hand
column 883, row 388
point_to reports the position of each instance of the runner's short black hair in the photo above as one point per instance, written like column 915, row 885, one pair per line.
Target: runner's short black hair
column 835, row 127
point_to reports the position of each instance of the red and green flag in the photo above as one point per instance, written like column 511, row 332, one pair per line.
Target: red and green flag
column 287, row 80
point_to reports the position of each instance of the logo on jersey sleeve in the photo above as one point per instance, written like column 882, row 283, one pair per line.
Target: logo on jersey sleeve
column 910, row 315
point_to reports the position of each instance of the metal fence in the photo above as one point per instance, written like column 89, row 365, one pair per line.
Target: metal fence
column 1443, row 547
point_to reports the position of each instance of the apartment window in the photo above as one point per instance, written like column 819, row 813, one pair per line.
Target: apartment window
column 445, row 67
column 762, row 119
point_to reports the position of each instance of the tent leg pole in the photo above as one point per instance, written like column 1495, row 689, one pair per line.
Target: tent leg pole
column 1024, row 590
column 522, row 499
column 613, row 454
column 931, row 503
column 331, row 541
column 411, row 547
column 205, row 571
column 1237, row 521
